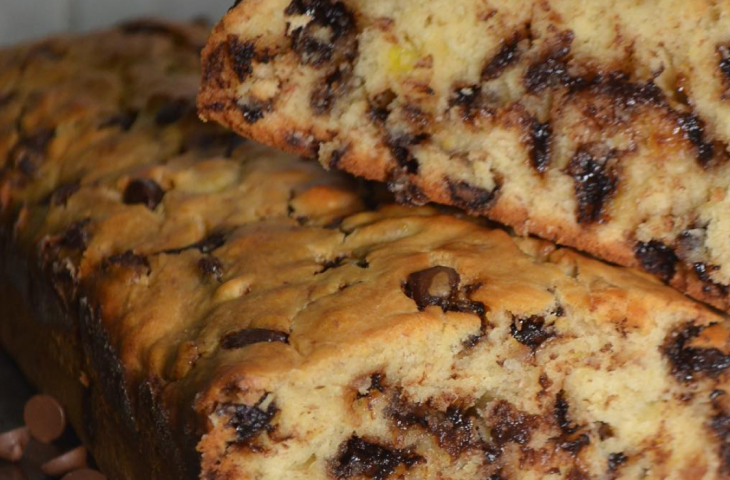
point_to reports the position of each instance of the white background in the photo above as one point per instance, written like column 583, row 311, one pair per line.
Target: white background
column 28, row 19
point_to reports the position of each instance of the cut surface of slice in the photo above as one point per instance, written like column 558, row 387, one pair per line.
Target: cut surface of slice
column 602, row 125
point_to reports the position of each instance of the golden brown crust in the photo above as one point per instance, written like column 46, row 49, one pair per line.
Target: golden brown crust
column 610, row 135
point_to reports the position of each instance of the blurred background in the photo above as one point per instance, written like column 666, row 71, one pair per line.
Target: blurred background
column 29, row 19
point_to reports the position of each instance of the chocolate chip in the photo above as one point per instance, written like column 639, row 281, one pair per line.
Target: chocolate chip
column 61, row 195
column 724, row 64
column 241, row 55
column 143, row 191
column 693, row 129
column 560, row 412
column 467, row 98
column 128, row 259
column 211, row 266
column 76, row 236
column 552, row 68
column 172, row 111
column 249, row 336
column 334, row 263
column 531, row 331
column 400, row 149
column 703, row 273
column 380, row 106
column 207, row 245
column 615, row 460
column 433, row 286
column 29, row 152
column 690, row 362
column 325, row 93
column 45, row 418
column 657, row 258
column 595, row 178
column 253, row 112
column 249, row 421
column 507, row 55
column 123, row 120
column 360, row 458
column 575, row 444
column 330, row 32
column 13, row 443
column 405, row 191
column 541, row 135
column 510, row 425
column 336, row 158
column 470, row 198
column 70, row 461
column 376, row 384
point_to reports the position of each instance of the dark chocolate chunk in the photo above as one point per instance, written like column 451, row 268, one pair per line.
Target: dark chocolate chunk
column 470, row 198
column 249, row 421
column 211, row 266
column 574, row 444
column 128, row 259
column 249, row 336
column 361, row 458
column 61, row 195
column 657, row 258
column 506, row 56
column 420, row 286
column 693, row 129
column 615, row 460
column 541, row 135
column 29, row 152
column 510, row 425
column 123, row 120
column 330, row 33
column 253, row 112
column 531, row 331
column 595, row 179
column 143, row 191
column 172, row 111
column 560, row 412
column 551, row 69
column 688, row 363
column 241, row 55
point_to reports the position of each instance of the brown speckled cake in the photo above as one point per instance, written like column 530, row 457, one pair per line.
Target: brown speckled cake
column 603, row 125
column 207, row 308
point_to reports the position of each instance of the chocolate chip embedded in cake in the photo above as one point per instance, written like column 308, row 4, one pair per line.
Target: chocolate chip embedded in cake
column 603, row 125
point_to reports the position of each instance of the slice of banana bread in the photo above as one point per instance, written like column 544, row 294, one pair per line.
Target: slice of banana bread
column 216, row 310
column 602, row 125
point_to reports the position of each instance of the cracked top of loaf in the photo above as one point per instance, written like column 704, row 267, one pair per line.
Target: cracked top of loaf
column 277, row 321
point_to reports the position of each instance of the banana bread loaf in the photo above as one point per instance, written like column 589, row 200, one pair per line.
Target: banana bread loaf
column 602, row 125
column 206, row 308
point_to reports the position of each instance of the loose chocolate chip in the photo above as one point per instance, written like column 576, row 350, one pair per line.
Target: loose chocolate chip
column 690, row 362
column 595, row 179
column 249, row 336
column 145, row 191
column 211, row 266
column 574, row 445
column 506, row 56
column 70, row 461
column 657, row 258
column 560, row 412
column 361, row 458
column 615, row 460
column 693, row 129
column 172, row 111
column 330, row 32
column 470, row 198
column 61, row 195
column 531, row 331
column 13, row 443
column 552, row 68
column 241, row 55
column 249, row 421
column 541, row 135
column 123, row 120
column 45, row 418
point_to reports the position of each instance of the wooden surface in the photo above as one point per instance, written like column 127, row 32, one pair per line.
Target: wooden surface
column 14, row 391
